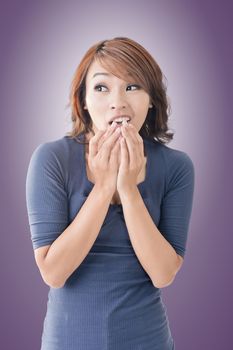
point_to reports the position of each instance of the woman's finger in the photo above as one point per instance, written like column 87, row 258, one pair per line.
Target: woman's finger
column 137, row 137
column 132, row 146
column 93, row 143
column 107, row 133
column 124, row 153
column 107, row 145
column 114, row 154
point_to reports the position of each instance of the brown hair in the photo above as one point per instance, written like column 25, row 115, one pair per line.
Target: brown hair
column 122, row 56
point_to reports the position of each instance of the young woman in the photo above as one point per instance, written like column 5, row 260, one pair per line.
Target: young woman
column 109, row 206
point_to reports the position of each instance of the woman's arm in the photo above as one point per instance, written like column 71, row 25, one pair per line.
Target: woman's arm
column 161, row 249
column 68, row 251
column 155, row 253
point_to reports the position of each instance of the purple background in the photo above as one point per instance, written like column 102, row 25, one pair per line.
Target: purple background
column 41, row 46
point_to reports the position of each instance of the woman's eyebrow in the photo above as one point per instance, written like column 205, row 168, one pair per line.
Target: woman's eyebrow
column 129, row 76
column 100, row 74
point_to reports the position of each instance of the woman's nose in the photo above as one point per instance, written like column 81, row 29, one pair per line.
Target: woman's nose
column 118, row 102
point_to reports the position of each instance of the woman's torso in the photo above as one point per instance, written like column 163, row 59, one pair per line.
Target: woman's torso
column 109, row 302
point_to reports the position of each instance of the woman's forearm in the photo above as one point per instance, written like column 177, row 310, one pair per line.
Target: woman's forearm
column 71, row 247
column 155, row 253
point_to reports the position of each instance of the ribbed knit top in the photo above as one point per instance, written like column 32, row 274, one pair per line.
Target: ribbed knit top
column 109, row 302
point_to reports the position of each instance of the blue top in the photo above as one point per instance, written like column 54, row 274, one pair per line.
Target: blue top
column 109, row 301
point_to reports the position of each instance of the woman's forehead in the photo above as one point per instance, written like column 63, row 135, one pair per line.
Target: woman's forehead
column 109, row 68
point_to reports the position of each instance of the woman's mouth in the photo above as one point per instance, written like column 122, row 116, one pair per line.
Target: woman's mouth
column 120, row 121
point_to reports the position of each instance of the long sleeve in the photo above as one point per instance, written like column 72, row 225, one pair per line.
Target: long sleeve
column 46, row 196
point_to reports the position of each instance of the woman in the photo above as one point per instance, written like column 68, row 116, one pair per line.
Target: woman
column 109, row 206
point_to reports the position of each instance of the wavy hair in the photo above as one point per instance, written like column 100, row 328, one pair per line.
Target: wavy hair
column 122, row 56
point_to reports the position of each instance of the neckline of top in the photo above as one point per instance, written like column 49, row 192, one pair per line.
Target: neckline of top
column 141, row 185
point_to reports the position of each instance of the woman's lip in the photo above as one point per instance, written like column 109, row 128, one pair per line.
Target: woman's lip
column 125, row 117
column 121, row 124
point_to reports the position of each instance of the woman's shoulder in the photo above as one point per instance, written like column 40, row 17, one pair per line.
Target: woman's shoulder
column 59, row 148
column 171, row 158
column 54, row 157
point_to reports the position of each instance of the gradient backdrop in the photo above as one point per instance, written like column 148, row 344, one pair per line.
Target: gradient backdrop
column 41, row 46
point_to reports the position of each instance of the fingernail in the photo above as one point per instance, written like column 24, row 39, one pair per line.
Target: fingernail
column 113, row 124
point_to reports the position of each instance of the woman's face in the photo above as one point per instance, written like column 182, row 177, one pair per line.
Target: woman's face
column 108, row 96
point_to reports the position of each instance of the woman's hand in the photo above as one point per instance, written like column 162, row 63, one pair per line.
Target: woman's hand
column 131, row 158
column 103, row 157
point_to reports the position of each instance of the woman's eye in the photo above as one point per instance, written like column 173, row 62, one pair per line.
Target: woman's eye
column 137, row 86
column 100, row 86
